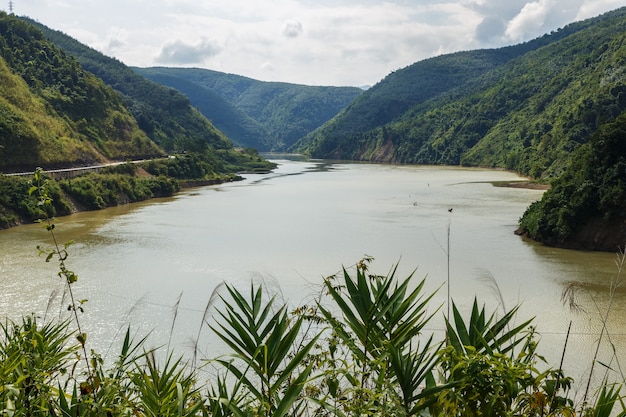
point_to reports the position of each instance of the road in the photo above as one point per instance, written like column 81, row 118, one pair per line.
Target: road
column 72, row 172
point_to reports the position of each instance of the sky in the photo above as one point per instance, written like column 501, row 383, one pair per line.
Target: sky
column 313, row 42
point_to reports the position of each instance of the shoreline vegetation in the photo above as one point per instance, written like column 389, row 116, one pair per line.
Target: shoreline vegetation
column 123, row 184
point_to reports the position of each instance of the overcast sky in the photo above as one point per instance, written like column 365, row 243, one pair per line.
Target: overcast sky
column 316, row 42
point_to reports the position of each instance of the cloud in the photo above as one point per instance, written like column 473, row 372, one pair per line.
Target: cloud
column 180, row 52
column 267, row 66
column 591, row 8
column 491, row 29
column 330, row 42
column 530, row 19
column 115, row 44
column 292, row 29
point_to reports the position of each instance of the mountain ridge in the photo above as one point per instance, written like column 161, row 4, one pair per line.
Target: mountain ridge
column 423, row 115
column 55, row 113
column 270, row 115
column 165, row 115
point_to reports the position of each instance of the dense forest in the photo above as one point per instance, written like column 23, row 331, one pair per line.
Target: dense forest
column 585, row 207
column 527, row 108
column 269, row 116
column 53, row 112
column 164, row 114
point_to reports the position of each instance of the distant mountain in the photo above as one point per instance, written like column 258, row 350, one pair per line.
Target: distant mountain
column 55, row 114
column 163, row 113
column 269, row 116
column 523, row 107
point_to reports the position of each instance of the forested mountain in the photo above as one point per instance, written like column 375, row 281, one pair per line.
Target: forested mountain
column 163, row 113
column 269, row 116
column 524, row 107
column 53, row 113
column 556, row 111
column 586, row 206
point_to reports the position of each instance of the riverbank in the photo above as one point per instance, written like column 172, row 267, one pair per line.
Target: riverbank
column 528, row 184
column 90, row 192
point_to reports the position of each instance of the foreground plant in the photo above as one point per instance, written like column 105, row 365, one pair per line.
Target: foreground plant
column 492, row 368
column 33, row 359
column 39, row 189
column 376, row 362
column 267, row 363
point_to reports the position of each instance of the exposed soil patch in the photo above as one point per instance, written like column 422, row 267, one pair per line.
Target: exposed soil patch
column 531, row 185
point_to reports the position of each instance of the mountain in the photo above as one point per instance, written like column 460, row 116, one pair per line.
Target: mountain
column 585, row 207
column 269, row 116
column 164, row 114
column 524, row 107
column 553, row 109
column 53, row 113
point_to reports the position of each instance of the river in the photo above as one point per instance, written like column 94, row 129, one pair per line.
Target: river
column 154, row 265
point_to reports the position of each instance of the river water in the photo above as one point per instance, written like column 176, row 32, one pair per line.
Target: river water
column 155, row 265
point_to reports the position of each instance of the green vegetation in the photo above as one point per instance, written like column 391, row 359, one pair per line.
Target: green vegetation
column 96, row 191
column 217, row 166
column 16, row 206
column 164, row 114
column 524, row 108
column 53, row 112
column 87, row 192
column 268, row 116
column 585, row 206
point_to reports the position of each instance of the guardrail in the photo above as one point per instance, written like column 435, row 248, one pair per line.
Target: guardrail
column 59, row 174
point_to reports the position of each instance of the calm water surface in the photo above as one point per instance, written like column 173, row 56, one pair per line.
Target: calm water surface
column 298, row 224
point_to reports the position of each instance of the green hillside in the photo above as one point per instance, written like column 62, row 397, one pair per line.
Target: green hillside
column 523, row 108
column 585, row 207
column 164, row 114
column 546, row 112
column 269, row 116
column 239, row 127
column 53, row 112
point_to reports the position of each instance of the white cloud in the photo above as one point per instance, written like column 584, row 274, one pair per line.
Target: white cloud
column 181, row 53
column 591, row 8
column 530, row 18
column 292, row 29
column 332, row 42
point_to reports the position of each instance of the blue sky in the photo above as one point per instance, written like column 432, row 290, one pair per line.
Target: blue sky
column 316, row 42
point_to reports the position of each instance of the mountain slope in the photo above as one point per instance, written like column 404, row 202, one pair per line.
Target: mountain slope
column 585, row 207
column 523, row 108
column 267, row 115
column 239, row 127
column 53, row 112
column 164, row 114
